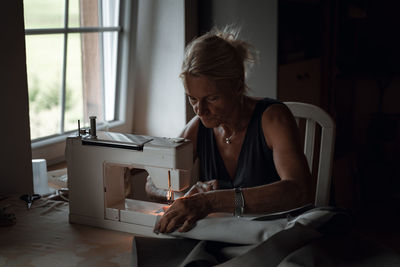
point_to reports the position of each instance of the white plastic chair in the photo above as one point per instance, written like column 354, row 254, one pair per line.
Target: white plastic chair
column 315, row 115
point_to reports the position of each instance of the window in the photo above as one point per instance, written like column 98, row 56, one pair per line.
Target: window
column 73, row 49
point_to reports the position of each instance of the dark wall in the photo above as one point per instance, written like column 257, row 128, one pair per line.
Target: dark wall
column 15, row 152
column 350, row 53
column 257, row 21
column 365, row 101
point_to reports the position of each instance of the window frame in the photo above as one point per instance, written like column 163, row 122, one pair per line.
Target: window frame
column 52, row 147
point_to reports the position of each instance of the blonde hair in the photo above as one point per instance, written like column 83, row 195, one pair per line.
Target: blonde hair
column 220, row 56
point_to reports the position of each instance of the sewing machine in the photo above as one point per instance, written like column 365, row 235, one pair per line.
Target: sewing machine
column 97, row 196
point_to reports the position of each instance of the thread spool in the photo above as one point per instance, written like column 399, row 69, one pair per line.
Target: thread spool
column 92, row 130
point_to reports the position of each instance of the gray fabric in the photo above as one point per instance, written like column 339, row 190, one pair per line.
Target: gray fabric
column 249, row 230
column 318, row 237
column 231, row 252
column 150, row 252
column 234, row 230
column 201, row 255
column 342, row 250
column 277, row 248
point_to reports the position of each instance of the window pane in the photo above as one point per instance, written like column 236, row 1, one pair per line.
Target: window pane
column 110, row 45
column 73, row 86
column 91, row 64
column 44, row 55
column 44, row 13
column 73, row 15
column 92, row 76
column 110, row 13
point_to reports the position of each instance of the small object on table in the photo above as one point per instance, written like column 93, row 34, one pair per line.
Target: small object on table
column 29, row 199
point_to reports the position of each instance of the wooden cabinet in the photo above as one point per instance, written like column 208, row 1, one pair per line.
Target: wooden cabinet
column 301, row 52
column 300, row 81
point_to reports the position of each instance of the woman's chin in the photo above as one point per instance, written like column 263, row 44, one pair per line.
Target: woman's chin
column 209, row 123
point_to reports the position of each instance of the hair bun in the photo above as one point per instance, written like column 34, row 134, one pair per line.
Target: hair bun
column 244, row 50
column 221, row 56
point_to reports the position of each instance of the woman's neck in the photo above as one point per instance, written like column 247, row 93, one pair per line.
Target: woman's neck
column 239, row 117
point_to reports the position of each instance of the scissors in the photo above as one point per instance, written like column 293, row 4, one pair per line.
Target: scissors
column 29, row 199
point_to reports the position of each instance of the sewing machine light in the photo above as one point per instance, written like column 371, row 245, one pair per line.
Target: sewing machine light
column 170, row 192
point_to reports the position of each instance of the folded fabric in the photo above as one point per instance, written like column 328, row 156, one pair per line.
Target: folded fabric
column 251, row 230
column 233, row 230
column 314, row 237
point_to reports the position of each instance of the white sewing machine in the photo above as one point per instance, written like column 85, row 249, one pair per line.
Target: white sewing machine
column 97, row 196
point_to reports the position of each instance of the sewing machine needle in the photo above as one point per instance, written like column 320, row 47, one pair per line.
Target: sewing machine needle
column 170, row 195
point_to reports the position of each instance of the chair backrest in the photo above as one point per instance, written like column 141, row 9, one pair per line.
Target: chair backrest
column 313, row 115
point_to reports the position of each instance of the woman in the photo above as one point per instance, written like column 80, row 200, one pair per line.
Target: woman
column 249, row 149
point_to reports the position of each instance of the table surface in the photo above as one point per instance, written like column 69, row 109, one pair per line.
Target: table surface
column 42, row 236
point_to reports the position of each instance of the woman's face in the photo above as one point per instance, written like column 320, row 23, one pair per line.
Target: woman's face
column 213, row 105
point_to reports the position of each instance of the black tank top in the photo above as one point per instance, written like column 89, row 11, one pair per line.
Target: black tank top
column 255, row 165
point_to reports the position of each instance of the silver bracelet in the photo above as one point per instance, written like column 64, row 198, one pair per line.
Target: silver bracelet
column 239, row 202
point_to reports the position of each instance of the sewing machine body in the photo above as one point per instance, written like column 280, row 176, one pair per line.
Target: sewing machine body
column 99, row 200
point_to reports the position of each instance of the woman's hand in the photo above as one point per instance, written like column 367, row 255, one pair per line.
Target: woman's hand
column 184, row 213
column 201, row 187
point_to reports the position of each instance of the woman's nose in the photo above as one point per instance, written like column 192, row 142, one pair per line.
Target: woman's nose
column 201, row 108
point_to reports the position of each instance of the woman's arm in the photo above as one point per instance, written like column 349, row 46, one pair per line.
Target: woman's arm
column 293, row 190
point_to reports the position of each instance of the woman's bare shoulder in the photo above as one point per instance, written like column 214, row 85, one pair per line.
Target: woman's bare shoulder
column 190, row 132
column 277, row 123
column 191, row 128
column 277, row 113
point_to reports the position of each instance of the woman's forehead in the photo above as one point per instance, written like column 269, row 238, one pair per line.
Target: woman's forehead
column 199, row 86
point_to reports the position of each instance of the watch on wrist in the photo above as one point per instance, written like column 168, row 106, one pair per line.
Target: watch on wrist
column 239, row 202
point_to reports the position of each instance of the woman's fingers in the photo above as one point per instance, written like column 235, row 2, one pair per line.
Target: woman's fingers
column 169, row 226
column 162, row 224
column 187, row 225
column 183, row 214
column 214, row 184
column 205, row 187
column 192, row 191
column 172, row 225
column 201, row 187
